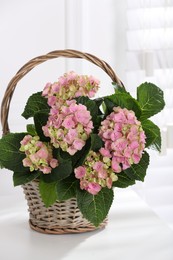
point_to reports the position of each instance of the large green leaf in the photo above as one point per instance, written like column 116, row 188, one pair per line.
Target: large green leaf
column 10, row 155
column 40, row 120
column 118, row 88
column 123, row 181
column 31, row 129
column 150, row 98
column 138, row 171
column 48, row 192
column 95, row 207
column 66, row 188
column 152, row 132
column 99, row 102
column 96, row 142
column 62, row 171
column 124, row 100
column 20, row 178
column 35, row 104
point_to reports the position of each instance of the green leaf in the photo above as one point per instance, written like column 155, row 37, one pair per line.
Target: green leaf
column 151, row 100
column 118, row 88
column 152, row 133
column 96, row 142
column 138, row 171
column 35, row 104
column 1, row 166
column 40, row 120
column 99, row 102
column 10, row 155
column 62, row 171
column 108, row 106
column 95, row 207
column 124, row 100
column 31, row 129
column 20, row 178
column 48, row 192
column 123, row 181
column 66, row 188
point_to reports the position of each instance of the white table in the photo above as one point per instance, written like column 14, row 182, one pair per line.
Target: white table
column 134, row 232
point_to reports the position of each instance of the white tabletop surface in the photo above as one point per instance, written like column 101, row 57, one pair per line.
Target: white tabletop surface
column 134, row 232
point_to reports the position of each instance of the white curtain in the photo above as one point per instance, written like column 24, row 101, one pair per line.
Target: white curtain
column 149, row 57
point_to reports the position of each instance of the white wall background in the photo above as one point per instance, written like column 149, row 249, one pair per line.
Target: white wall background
column 31, row 28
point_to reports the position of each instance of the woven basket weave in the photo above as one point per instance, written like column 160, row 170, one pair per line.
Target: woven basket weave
column 62, row 217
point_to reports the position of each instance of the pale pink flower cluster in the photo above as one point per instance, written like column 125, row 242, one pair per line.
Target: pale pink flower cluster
column 95, row 173
column 69, row 126
column 124, row 138
column 38, row 154
column 69, row 86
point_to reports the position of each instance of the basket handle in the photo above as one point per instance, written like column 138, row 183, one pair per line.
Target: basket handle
column 5, row 105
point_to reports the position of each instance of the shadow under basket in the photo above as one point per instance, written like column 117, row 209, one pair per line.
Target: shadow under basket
column 60, row 218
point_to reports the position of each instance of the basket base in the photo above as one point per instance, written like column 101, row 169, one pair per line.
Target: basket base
column 61, row 231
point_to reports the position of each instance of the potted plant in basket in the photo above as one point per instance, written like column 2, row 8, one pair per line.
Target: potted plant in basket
column 80, row 148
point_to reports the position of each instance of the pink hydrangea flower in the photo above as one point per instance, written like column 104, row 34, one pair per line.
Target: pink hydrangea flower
column 95, row 173
column 38, row 154
column 124, row 138
column 80, row 172
column 69, row 86
column 93, row 188
column 69, row 126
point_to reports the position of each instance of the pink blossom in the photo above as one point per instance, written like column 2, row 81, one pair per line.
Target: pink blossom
column 55, row 87
column 102, row 173
column 43, row 153
column 34, row 158
column 78, row 144
column 71, row 150
column 69, row 86
column 91, row 93
column 82, row 115
column 93, row 188
column 136, row 158
column 109, row 183
column 71, row 136
column 69, row 126
column 51, row 101
column 68, row 122
column 46, row 169
column 26, row 139
column 134, row 144
column 38, row 155
column 83, row 184
column 115, row 165
column 80, row 172
column 104, row 152
column 46, row 89
column 98, row 166
column 95, row 173
column 123, row 137
column 27, row 162
column 53, row 163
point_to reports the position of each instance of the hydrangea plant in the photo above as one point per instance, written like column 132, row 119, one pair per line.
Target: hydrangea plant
column 83, row 147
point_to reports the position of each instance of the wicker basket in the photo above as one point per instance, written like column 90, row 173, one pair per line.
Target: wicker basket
column 62, row 217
